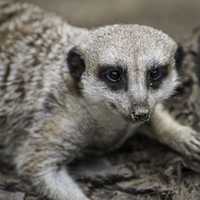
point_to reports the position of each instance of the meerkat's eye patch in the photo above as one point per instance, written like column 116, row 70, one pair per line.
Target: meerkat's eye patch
column 75, row 63
column 114, row 76
column 156, row 75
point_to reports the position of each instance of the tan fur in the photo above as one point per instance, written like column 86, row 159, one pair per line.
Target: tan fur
column 48, row 118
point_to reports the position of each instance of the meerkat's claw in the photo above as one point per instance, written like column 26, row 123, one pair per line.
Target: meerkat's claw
column 192, row 158
column 193, row 145
column 189, row 144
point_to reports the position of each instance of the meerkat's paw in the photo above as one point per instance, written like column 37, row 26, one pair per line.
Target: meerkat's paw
column 187, row 143
column 191, row 150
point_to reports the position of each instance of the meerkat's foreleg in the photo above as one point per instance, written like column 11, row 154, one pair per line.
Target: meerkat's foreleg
column 42, row 160
column 181, row 138
column 60, row 186
column 51, row 179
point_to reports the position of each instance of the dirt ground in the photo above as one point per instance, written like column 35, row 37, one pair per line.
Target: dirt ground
column 176, row 17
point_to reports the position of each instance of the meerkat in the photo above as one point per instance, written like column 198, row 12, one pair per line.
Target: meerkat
column 67, row 91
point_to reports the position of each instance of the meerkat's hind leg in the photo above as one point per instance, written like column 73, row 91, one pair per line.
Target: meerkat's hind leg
column 181, row 138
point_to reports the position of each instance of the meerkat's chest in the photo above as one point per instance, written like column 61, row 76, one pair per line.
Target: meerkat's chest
column 112, row 129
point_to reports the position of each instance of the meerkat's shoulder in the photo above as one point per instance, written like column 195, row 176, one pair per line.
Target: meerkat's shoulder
column 27, row 19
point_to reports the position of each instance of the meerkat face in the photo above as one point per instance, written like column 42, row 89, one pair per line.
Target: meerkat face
column 128, row 68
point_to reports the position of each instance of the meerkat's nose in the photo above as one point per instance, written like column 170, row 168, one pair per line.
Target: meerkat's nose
column 140, row 115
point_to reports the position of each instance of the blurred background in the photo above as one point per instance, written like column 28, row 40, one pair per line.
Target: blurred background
column 175, row 17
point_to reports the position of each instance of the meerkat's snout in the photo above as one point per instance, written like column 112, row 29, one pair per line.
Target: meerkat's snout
column 140, row 114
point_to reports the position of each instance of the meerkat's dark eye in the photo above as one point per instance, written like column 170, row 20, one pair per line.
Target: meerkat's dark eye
column 156, row 75
column 113, row 76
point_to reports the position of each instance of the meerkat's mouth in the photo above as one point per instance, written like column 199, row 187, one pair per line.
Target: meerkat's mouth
column 140, row 118
column 132, row 118
column 128, row 118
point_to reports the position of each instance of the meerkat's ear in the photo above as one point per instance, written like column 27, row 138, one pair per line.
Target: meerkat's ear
column 75, row 63
column 179, row 56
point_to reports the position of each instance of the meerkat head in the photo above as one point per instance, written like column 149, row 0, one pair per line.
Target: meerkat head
column 129, row 68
